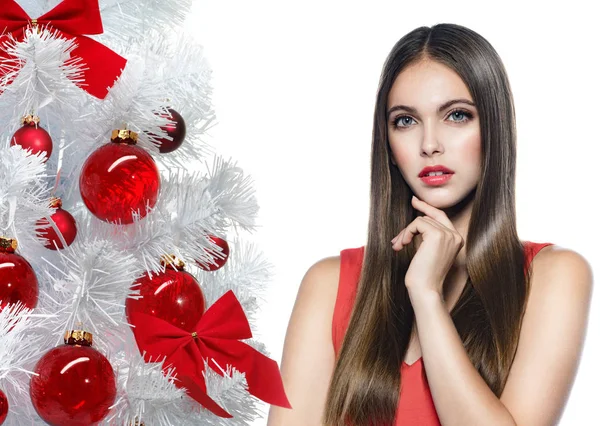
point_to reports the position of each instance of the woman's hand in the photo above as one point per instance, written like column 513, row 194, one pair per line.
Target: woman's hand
column 437, row 252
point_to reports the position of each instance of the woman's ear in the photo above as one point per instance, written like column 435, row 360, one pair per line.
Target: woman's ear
column 392, row 160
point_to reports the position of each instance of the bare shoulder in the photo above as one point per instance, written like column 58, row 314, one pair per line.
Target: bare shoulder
column 552, row 337
column 317, row 292
column 571, row 266
column 308, row 356
column 318, row 289
column 322, row 277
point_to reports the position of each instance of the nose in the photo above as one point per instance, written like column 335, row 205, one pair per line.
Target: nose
column 430, row 144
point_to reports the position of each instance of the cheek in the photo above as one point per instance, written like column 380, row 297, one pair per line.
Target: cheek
column 472, row 150
column 467, row 144
column 402, row 153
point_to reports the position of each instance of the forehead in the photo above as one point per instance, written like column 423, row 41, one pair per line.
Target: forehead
column 425, row 85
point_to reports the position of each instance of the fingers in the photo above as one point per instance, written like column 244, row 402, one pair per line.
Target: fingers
column 421, row 225
column 417, row 226
column 435, row 219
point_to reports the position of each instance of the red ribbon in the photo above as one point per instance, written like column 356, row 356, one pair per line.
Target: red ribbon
column 215, row 337
column 71, row 19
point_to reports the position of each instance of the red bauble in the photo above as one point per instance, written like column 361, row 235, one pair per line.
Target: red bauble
column 65, row 223
column 3, row 407
column 18, row 282
column 75, row 386
column 219, row 259
column 176, row 131
column 118, row 179
column 33, row 137
column 174, row 296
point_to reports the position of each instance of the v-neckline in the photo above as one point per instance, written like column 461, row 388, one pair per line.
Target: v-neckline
column 419, row 360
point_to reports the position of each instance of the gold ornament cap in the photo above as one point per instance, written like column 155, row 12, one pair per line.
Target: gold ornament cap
column 128, row 137
column 8, row 245
column 78, row 338
column 55, row 203
column 30, row 120
column 36, row 26
column 172, row 261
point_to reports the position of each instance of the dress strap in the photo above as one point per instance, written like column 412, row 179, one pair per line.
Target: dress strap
column 531, row 249
column 350, row 267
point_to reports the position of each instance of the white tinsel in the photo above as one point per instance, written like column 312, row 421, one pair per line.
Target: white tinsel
column 18, row 326
column 90, row 289
column 21, row 336
column 40, row 71
column 246, row 273
column 24, row 195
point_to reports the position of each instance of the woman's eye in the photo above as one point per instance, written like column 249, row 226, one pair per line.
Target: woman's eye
column 402, row 121
column 460, row 113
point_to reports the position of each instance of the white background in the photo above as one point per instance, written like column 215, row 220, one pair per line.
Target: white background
column 294, row 87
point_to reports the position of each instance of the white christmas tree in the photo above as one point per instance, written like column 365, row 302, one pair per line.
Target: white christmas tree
column 120, row 74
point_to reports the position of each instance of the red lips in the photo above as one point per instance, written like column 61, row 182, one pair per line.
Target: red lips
column 438, row 168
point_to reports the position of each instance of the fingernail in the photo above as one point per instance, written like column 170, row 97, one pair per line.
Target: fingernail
column 394, row 240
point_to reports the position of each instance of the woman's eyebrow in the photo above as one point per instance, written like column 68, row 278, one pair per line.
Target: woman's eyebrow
column 442, row 107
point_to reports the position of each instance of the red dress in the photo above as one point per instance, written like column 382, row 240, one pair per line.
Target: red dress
column 415, row 404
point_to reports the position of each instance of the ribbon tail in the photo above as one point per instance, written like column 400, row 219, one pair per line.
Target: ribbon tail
column 262, row 373
column 101, row 66
column 196, row 392
column 264, row 379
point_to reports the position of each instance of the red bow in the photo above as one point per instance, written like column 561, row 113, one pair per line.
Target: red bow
column 215, row 337
column 71, row 19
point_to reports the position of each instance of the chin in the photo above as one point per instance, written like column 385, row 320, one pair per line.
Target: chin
column 442, row 205
column 451, row 202
column 440, row 201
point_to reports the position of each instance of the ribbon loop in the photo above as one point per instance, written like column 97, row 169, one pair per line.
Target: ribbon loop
column 71, row 19
column 76, row 17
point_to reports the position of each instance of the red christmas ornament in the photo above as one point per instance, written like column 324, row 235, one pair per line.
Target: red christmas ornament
column 118, row 179
column 218, row 258
column 75, row 385
column 18, row 282
column 33, row 137
column 173, row 296
column 65, row 223
column 3, row 407
column 175, row 130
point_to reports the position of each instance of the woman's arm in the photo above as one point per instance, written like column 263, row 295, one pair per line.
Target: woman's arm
column 308, row 356
column 545, row 365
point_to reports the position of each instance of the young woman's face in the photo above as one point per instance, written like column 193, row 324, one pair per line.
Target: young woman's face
column 427, row 128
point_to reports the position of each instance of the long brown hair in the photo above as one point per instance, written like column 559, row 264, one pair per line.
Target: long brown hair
column 366, row 381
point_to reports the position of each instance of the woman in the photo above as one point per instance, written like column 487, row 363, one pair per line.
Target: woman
column 453, row 322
